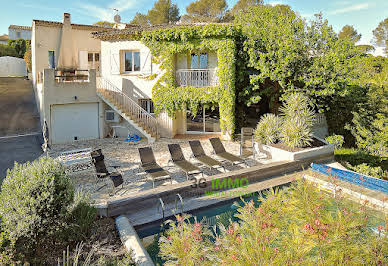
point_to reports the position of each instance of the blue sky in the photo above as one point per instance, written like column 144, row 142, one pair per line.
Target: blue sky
column 364, row 15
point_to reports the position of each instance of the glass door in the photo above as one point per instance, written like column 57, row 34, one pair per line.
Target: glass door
column 206, row 120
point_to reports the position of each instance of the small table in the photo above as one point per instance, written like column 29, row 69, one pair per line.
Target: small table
column 118, row 126
column 76, row 160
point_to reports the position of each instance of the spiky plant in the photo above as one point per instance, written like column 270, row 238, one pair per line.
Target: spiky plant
column 268, row 129
column 299, row 118
column 295, row 133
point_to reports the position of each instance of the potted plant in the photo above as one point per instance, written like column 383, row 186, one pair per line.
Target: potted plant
column 289, row 136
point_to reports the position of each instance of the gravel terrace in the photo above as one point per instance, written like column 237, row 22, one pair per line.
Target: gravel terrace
column 118, row 152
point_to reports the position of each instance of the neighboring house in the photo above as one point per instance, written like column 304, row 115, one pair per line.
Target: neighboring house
column 127, row 65
column 19, row 32
column 4, row 39
column 65, row 63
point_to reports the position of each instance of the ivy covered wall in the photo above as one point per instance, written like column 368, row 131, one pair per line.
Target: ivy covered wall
column 167, row 96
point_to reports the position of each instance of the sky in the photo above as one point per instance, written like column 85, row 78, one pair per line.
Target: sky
column 364, row 15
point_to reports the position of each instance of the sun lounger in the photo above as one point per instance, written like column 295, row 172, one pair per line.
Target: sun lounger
column 149, row 165
column 220, row 151
column 179, row 160
column 200, row 155
column 102, row 171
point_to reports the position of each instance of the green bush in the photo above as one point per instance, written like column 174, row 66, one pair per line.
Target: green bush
column 363, row 162
column 38, row 209
column 33, row 204
column 268, row 129
column 336, row 140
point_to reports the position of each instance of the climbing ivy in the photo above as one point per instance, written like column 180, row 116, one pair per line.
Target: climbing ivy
column 166, row 43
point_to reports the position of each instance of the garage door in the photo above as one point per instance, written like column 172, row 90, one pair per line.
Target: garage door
column 71, row 122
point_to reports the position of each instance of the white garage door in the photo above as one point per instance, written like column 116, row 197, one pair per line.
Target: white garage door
column 71, row 122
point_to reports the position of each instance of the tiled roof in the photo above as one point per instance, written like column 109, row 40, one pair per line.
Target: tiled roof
column 17, row 27
column 133, row 30
column 59, row 24
column 4, row 37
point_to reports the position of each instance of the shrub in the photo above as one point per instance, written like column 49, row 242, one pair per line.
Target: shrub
column 80, row 218
column 268, row 129
column 298, row 119
column 336, row 140
column 34, row 199
column 296, row 133
column 298, row 225
column 366, row 169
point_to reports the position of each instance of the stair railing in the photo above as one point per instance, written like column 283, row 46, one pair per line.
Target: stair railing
column 128, row 106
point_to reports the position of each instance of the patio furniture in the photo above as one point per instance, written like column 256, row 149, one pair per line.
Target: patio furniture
column 149, row 165
column 76, row 161
column 220, row 151
column 247, row 142
column 102, row 171
column 179, row 160
column 200, row 155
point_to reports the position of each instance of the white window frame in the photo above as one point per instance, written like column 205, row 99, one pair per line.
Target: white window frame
column 123, row 52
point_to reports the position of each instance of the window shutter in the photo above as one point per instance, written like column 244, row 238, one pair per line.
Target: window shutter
column 115, row 63
column 145, row 58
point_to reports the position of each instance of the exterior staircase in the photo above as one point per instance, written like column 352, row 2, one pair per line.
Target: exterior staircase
column 128, row 109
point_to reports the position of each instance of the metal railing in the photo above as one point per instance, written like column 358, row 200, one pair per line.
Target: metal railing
column 128, row 106
column 77, row 75
column 197, row 77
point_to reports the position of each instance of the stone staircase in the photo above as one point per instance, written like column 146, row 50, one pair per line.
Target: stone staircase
column 128, row 109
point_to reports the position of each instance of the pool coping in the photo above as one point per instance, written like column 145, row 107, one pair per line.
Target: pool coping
column 254, row 174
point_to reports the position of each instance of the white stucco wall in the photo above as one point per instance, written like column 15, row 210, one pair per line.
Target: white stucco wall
column 54, row 93
column 48, row 38
column 24, row 34
column 131, row 84
column 12, row 67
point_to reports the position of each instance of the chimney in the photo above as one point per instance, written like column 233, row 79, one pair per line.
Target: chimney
column 66, row 18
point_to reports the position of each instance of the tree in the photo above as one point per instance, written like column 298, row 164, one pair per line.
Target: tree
column 349, row 32
column 6, row 50
column 104, row 24
column 366, row 48
column 244, row 4
column 19, row 45
column 163, row 12
column 381, row 35
column 206, row 11
column 140, row 19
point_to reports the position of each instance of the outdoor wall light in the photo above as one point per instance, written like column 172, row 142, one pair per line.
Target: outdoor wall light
column 75, row 98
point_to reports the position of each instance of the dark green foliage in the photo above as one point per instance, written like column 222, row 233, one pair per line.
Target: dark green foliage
column 206, row 11
column 350, row 32
column 140, row 19
column 336, row 140
column 38, row 210
column 163, row 12
column 20, row 46
column 363, row 162
column 6, row 50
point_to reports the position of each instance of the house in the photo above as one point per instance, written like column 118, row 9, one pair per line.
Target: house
column 19, row 32
column 201, row 75
column 90, row 81
column 4, row 39
column 65, row 65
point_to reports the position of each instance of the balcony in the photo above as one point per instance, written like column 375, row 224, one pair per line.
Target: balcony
column 197, row 77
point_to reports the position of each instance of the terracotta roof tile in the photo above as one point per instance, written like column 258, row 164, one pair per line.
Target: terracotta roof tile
column 4, row 37
column 59, row 24
column 17, row 27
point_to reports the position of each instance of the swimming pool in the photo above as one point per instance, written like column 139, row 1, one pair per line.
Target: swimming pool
column 219, row 213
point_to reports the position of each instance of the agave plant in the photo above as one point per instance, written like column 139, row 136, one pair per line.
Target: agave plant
column 299, row 119
column 296, row 133
column 268, row 129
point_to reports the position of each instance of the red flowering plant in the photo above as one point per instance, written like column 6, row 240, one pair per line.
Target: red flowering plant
column 294, row 225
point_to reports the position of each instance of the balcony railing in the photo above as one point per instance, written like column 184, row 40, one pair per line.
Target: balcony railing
column 72, row 76
column 197, row 77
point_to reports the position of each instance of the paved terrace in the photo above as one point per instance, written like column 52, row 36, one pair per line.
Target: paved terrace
column 118, row 152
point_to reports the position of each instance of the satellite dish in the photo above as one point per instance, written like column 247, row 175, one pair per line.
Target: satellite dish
column 117, row 18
